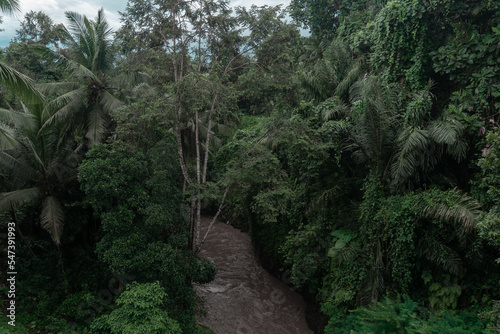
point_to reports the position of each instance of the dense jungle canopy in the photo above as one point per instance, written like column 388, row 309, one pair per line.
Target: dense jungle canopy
column 363, row 159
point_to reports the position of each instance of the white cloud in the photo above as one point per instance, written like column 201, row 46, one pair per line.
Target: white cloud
column 56, row 8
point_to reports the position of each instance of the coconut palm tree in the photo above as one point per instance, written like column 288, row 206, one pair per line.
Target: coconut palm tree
column 85, row 103
column 13, row 80
column 17, row 83
column 36, row 170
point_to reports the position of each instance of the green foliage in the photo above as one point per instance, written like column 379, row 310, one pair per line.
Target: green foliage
column 38, row 28
column 116, row 176
column 323, row 17
column 398, row 236
column 402, row 40
column 139, row 310
column 470, row 58
column 487, row 190
column 138, row 199
column 85, row 101
column 489, row 179
column 396, row 316
column 269, row 86
column 492, row 317
column 442, row 297
column 353, row 186
column 5, row 328
column 24, row 59
column 328, row 70
column 72, row 310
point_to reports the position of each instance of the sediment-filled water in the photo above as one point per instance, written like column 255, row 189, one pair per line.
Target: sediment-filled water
column 245, row 298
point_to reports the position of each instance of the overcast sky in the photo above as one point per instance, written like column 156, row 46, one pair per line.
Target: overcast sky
column 56, row 8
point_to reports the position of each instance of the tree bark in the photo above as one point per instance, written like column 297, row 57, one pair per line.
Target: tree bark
column 207, row 142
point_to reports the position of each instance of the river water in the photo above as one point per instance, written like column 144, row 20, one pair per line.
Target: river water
column 245, row 298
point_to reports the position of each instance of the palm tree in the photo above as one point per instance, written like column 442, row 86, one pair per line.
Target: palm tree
column 8, row 121
column 397, row 138
column 9, row 6
column 36, row 170
column 86, row 102
column 16, row 82
column 328, row 70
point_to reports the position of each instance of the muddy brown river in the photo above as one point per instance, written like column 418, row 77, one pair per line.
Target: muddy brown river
column 245, row 298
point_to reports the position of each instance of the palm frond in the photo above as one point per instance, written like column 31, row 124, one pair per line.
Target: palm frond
column 82, row 72
column 63, row 34
column 334, row 107
column 109, row 103
column 7, row 137
column 77, row 70
column 10, row 162
column 57, row 87
column 96, row 126
column 337, row 128
column 103, row 58
column 66, row 98
column 35, row 156
column 63, row 107
column 77, row 23
column 10, row 6
column 19, row 84
column 419, row 107
column 352, row 76
column 411, row 144
column 440, row 255
column 443, row 132
column 48, row 54
column 91, row 41
column 463, row 211
column 449, row 131
column 17, row 198
column 143, row 88
column 14, row 118
column 52, row 218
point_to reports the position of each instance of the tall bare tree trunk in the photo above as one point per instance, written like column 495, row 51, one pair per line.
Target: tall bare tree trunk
column 180, row 151
column 191, row 241
column 207, row 142
column 198, row 179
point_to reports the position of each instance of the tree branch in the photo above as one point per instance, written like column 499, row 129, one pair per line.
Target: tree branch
column 214, row 219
